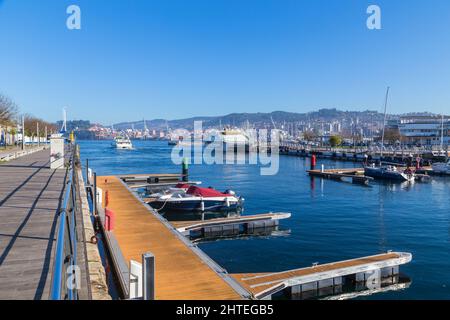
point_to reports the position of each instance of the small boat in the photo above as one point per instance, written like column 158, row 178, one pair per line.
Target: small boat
column 123, row 143
column 388, row 173
column 196, row 199
column 441, row 167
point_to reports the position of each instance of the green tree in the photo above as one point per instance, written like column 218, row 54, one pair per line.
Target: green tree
column 335, row 141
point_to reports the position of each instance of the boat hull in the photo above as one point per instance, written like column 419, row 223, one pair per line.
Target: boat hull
column 195, row 205
column 376, row 173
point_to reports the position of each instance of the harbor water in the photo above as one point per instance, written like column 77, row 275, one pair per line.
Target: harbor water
column 331, row 221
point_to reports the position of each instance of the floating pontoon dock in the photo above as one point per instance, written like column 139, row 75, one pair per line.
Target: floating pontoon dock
column 230, row 223
column 372, row 268
column 183, row 271
column 355, row 174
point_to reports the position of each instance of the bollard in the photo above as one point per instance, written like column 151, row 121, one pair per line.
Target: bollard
column 185, row 171
column 322, row 169
column 148, row 276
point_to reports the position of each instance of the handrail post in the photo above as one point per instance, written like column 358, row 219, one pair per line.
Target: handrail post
column 87, row 172
column 148, row 276
column 94, row 201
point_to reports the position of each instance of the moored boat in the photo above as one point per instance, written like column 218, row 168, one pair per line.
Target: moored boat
column 441, row 167
column 388, row 173
column 196, row 199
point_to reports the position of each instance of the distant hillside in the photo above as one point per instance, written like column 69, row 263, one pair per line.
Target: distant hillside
column 258, row 119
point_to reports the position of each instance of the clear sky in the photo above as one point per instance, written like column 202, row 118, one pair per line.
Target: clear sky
column 178, row 58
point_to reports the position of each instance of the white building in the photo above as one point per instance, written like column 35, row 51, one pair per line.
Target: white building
column 425, row 130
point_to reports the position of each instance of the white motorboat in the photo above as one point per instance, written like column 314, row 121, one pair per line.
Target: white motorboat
column 196, row 199
column 123, row 143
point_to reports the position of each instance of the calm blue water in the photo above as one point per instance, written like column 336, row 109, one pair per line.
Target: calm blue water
column 330, row 220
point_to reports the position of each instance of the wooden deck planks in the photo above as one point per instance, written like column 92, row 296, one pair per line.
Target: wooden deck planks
column 30, row 194
column 180, row 273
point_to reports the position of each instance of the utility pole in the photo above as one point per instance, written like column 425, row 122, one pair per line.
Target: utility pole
column 46, row 135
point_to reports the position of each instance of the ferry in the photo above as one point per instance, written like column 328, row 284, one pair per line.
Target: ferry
column 123, row 143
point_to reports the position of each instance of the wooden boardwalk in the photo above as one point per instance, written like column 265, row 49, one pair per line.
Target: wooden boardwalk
column 30, row 195
column 180, row 272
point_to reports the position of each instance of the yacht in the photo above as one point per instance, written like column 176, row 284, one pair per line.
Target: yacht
column 122, row 143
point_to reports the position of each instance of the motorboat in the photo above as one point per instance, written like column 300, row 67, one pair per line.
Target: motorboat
column 123, row 143
column 441, row 167
column 196, row 199
column 388, row 173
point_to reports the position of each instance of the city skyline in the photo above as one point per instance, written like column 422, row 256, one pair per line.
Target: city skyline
column 173, row 61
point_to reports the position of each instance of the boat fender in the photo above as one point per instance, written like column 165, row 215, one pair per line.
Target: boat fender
column 202, row 206
column 110, row 220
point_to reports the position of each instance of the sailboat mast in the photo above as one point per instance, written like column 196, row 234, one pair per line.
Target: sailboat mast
column 442, row 133
column 384, row 121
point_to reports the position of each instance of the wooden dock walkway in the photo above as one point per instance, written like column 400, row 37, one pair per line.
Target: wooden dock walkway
column 30, row 195
column 260, row 284
column 180, row 272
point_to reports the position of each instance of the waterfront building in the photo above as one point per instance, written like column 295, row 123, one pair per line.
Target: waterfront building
column 425, row 130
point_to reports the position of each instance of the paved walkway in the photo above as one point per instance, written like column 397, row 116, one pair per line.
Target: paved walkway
column 30, row 195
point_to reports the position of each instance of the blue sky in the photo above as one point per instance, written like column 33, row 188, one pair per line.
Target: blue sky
column 178, row 58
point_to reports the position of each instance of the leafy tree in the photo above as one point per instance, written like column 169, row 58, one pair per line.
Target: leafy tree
column 335, row 141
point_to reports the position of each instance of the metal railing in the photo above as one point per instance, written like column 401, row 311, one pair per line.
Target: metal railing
column 64, row 281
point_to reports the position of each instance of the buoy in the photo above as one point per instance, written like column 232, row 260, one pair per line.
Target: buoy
column 313, row 162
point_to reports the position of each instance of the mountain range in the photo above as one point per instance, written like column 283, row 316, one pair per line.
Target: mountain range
column 255, row 119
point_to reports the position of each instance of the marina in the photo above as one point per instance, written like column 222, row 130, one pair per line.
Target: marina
column 186, row 253
column 218, row 251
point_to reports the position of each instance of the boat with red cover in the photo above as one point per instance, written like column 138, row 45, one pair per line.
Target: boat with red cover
column 198, row 199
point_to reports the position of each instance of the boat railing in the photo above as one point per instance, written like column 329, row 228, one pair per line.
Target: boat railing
column 65, row 270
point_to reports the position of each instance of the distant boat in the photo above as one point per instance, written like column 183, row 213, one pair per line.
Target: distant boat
column 388, row 173
column 441, row 167
column 123, row 143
